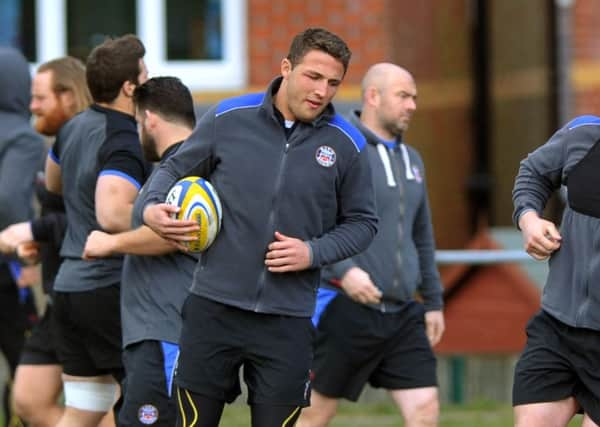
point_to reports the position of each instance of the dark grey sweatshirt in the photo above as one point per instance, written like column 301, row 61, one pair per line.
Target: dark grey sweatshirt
column 21, row 148
column 571, row 293
column 314, row 186
column 401, row 258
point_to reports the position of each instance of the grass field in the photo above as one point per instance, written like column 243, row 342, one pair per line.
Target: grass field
column 481, row 414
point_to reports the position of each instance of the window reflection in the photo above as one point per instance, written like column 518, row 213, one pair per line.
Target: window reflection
column 194, row 30
column 90, row 22
column 17, row 26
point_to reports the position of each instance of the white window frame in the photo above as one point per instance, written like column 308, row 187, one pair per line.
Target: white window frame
column 230, row 73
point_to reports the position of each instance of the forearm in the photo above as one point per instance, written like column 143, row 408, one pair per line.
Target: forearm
column 141, row 241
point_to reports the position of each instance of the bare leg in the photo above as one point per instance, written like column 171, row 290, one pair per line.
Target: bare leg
column 321, row 411
column 587, row 422
column 419, row 406
column 36, row 391
column 546, row 414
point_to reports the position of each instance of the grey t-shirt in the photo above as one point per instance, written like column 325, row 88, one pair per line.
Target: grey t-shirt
column 154, row 288
column 97, row 141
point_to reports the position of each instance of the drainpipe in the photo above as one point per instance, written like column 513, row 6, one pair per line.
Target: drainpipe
column 479, row 185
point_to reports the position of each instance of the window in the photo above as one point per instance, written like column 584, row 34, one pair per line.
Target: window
column 194, row 30
column 201, row 63
column 203, row 42
column 17, row 26
column 89, row 22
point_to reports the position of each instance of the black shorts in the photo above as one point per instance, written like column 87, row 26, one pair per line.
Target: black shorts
column 217, row 339
column 356, row 344
column 40, row 347
column 149, row 368
column 88, row 330
column 13, row 320
column 559, row 361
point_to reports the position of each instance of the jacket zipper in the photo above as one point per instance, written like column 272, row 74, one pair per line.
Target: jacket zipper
column 270, row 225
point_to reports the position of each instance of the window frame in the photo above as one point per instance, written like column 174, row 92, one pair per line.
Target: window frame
column 229, row 73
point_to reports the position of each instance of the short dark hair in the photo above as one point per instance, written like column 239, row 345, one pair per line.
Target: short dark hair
column 319, row 39
column 169, row 98
column 112, row 63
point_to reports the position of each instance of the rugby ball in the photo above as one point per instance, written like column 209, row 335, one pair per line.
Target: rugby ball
column 198, row 201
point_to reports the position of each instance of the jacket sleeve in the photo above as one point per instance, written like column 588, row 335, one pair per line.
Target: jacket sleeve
column 430, row 288
column 17, row 165
column 194, row 157
column 336, row 271
column 357, row 217
column 542, row 171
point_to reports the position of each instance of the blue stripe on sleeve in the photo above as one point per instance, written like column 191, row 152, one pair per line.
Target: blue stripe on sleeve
column 586, row 120
column 350, row 131
column 53, row 156
column 115, row 172
column 244, row 101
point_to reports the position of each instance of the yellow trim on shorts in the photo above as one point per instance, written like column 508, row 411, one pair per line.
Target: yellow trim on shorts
column 290, row 417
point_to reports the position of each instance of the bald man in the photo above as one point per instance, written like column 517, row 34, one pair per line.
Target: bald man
column 370, row 328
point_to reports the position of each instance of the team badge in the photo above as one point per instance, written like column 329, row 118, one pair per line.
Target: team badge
column 417, row 174
column 148, row 414
column 325, row 156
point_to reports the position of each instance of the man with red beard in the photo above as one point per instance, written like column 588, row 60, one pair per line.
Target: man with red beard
column 58, row 92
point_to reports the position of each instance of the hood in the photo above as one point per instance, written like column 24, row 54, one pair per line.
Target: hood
column 15, row 96
column 15, row 83
column 371, row 138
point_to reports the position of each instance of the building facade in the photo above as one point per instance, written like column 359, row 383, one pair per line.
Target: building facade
column 495, row 77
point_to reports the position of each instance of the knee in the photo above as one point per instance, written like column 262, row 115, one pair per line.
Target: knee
column 24, row 405
column 313, row 417
column 426, row 414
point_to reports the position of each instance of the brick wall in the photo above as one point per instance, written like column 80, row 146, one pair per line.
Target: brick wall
column 272, row 25
column 586, row 56
column 431, row 39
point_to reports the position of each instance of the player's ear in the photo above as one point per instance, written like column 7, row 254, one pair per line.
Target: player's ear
column 286, row 67
column 127, row 88
column 150, row 118
column 372, row 95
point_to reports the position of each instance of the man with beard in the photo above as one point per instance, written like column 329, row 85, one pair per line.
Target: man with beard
column 97, row 164
column 59, row 91
column 369, row 326
column 295, row 187
column 154, row 287
column 21, row 153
